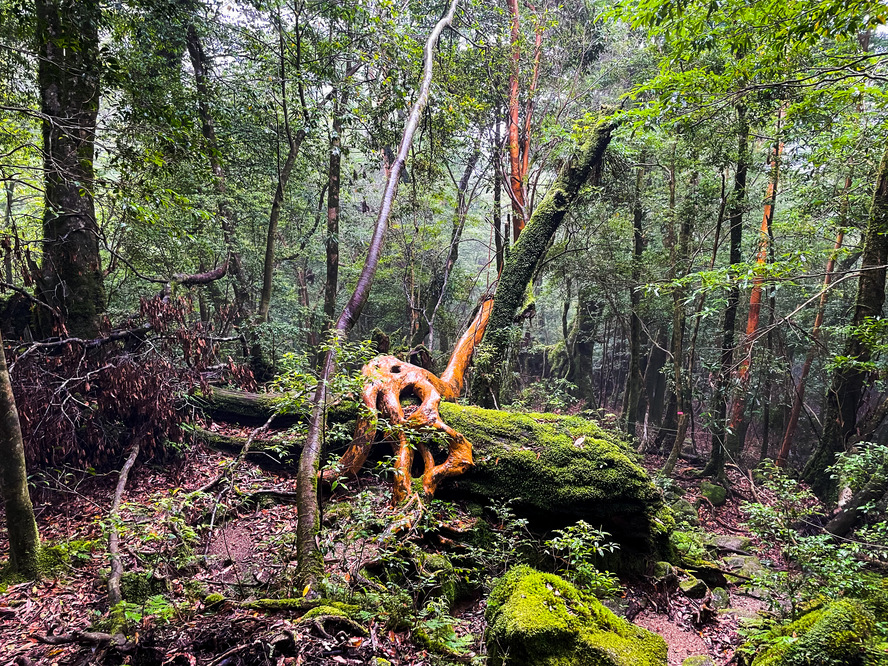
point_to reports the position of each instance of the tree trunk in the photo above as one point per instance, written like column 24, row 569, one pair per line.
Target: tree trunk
column 500, row 235
column 716, row 465
column 24, row 541
column 334, row 175
column 634, row 377
column 516, row 176
column 799, row 397
column 737, row 427
column 848, row 383
column 293, row 145
column 71, row 278
column 311, row 564
column 525, row 256
column 226, row 215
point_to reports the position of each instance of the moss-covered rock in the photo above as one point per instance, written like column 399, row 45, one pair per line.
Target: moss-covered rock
column 840, row 633
column 559, row 469
column 713, row 492
column 539, row 619
column 698, row 660
column 693, row 588
column 685, row 512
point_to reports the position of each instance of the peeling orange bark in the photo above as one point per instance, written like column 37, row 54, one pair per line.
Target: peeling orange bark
column 388, row 380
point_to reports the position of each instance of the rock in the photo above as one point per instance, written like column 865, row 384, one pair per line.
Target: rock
column 713, row 492
column 693, row 588
column 559, row 469
column 685, row 512
column 662, row 570
column 744, row 566
column 539, row 619
column 840, row 633
column 729, row 543
column 449, row 583
column 699, row 660
column 720, row 598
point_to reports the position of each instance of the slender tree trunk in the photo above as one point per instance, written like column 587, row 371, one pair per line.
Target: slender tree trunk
column 8, row 253
column 716, row 465
column 311, row 564
column 634, row 377
column 294, row 143
column 525, row 255
column 68, row 68
column 334, row 175
column 516, row 177
column 500, row 235
column 737, row 426
column 21, row 527
column 849, row 381
column 227, row 220
column 799, row 397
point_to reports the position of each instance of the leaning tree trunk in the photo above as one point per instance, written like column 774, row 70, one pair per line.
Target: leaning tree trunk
column 311, row 563
column 849, row 381
column 24, row 541
column 525, row 255
column 71, row 278
column 716, row 465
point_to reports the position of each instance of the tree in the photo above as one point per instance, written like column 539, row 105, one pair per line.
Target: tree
column 24, row 540
column 310, row 562
column 71, row 277
column 848, row 384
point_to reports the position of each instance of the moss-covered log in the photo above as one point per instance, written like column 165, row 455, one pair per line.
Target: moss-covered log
column 246, row 408
column 526, row 255
column 559, row 469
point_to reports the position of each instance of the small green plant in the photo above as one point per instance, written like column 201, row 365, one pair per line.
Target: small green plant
column 158, row 607
column 548, row 395
column 575, row 550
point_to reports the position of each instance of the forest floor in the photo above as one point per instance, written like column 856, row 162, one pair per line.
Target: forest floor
column 249, row 554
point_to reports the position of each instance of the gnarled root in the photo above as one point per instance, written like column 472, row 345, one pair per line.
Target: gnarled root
column 387, row 381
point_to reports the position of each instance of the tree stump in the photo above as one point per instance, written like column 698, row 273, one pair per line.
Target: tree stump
column 388, row 381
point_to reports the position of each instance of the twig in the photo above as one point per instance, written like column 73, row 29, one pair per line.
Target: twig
column 114, row 594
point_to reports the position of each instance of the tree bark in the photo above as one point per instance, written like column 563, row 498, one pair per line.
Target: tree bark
column 227, row 220
column 71, row 278
column 737, row 427
column 634, row 378
column 716, row 465
column 799, row 396
column 334, row 176
column 525, row 256
column 311, row 563
column 21, row 527
column 848, row 383
column 516, row 177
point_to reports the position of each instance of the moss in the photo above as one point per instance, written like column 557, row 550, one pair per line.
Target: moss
column 136, row 587
column 561, row 468
column 540, row 619
column 325, row 611
column 713, row 492
column 451, row 585
column 213, row 599
column 839, row 634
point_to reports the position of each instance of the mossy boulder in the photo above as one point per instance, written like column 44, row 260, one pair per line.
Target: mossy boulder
column 685, row 512
column 559, row 469
column 693, row 588
column 713, row 492
column 539, row 619
column 841, row 633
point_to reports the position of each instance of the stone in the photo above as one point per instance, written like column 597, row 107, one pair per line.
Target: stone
column 662, row 570
column 693, row 588
column 743, row 566
column 558, row 469
column 720, row 598
column 540, row 619
column 685, row 512
column 729, row 543
column 698, row 660
column 713, row 492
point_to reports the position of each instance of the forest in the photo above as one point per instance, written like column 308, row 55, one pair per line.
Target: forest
column 432, row 333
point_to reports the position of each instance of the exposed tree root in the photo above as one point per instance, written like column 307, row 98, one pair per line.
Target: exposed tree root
column 388, row 381
column 114, row 594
